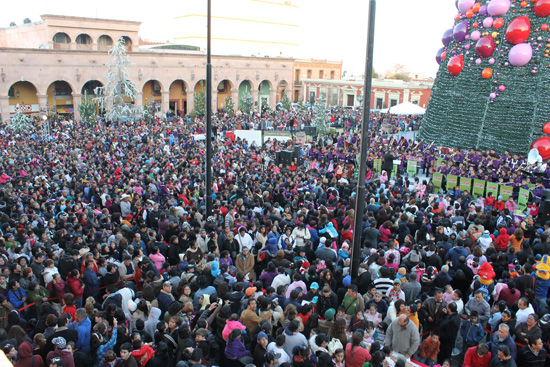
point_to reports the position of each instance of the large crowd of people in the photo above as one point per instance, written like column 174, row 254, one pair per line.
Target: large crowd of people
column 108, row 258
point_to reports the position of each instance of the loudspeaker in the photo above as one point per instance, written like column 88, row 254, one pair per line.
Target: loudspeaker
column 310, row 130
column 296, row 154
column 286, row 157
column 278, row 158
column 544, row 211
column 545, row 194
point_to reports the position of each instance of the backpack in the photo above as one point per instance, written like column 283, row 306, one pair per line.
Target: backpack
column 334, row 344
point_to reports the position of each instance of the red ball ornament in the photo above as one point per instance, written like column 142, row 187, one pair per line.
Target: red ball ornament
column 542, row 8
column 524, row 4
column 476, row 7
column 475, row 25
column 498, row 23
column 544, row 27
column 487, row 73
column 543, row 146
column 455, row 65
column 443, row 55
column 518, row 30
column 469, row 13
column 485, row 46
column 546, row 128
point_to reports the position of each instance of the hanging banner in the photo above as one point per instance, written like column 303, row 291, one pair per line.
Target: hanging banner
column 452, row 182
column 438, row 162
column 492, row 187
column 378, row 165
column 523, row 198
column 506, row 191
column 438, row 180
column 465, row 184
column 479, row 188
column 411, row 168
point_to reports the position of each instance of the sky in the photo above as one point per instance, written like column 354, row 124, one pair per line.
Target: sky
column 408, row 32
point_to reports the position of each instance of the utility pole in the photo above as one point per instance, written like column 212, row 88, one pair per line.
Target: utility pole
column 364, row 149
column 208, row 114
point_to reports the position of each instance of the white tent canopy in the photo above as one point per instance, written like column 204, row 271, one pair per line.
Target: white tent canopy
column 405, row 108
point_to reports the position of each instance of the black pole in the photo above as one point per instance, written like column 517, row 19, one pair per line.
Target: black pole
column 360, row 197
column 208, row 116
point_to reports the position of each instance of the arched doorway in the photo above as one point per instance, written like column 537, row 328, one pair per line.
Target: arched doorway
column 178, row 97
column 60, row 98
column 225, row 89
column 89, row 88
column 23, row 94
column 282, row 88
column 264, row 91
column 83, row 42
column 152, row 96
column 104, row 42
column 127, row 43
column 245, row 88
column 200, row 86
column 61, row 41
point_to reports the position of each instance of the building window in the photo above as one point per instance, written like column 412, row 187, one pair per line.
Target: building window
column 297, row 75
column 379, row 103
column 84, row 39
column 332, row 73
column 321, row 74
column 393, row 102
column 61, row 38
column 415, row 101
column 105, row 40
column 309, row 74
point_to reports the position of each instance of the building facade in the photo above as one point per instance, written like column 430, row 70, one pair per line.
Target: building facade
column 47, row 66
column 313, row 69
column 385, row 92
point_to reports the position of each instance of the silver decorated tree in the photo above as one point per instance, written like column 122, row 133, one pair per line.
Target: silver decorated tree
column 20, row 122
column 119, row 86
column 321, row 119
column 87, row 110
column 246, row 103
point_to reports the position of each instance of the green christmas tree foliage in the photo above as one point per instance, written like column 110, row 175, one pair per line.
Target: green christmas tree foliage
column 200, row 102
column 505, row 111
column 246, row 103
column 20, row 122
column 286, row 102
column 320, row 116
column 87, row 110
column 229, row 106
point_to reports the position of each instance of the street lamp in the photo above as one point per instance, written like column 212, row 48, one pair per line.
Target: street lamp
column 45, row 127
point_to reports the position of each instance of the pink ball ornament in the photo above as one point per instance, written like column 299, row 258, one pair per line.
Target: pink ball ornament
column 520, row 54
column 502, row 88
column 476, row 35
column 467, row 47
column 488, row 22
column 464, row 5
column 478, row 62
column 493, row 95
column 491, row 61
column 498, row 7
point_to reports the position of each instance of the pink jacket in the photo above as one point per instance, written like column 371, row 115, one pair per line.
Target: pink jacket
column 229, row 326
column 158, row 259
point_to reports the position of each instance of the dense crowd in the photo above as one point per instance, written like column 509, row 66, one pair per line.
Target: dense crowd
column 107, row 256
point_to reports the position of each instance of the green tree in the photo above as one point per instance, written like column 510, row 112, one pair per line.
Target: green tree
column 200, row 102
column 229, row 106
column 20, row 122
column 287, row 103
column 87, row 110
column 320, row 116
column 301, row 106
column 246, row 103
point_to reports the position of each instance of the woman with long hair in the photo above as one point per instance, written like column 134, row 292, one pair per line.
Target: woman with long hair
column 338, row 331
column 356, row 355
column 235, row 348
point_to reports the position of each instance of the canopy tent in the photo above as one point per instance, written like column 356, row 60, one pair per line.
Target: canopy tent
column 405, row 108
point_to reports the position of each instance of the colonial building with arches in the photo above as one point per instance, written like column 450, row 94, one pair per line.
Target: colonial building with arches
column 47, row 66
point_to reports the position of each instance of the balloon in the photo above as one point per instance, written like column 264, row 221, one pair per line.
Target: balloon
column 543, row 146
column 493, row 95
column 498, row 23
column 487, row 73
column 498, row 7
column 455, row 65
column 438, row 55
column 447, row 37
column 460, row 31
column 464, row 5
column 542, row 8
column 485, row 46
column 483, row 10
column 520, row 54
column 518, row 30
column 546, row 128
column 476, row 35
column 487, row 22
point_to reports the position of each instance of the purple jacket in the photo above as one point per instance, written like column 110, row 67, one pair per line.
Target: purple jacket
column 236, row 350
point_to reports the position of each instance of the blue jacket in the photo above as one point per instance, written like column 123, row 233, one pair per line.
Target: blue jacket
column 84, row 329
column 455, row 253
column 91, row 283
column 495, row 343
column 472, row 334
column 16, row 297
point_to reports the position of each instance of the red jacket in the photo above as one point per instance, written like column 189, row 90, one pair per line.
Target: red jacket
column 502, row 240
column 75, row 286
column 473, row 360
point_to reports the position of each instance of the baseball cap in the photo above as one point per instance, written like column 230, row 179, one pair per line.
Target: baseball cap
column 347, row 280
column 314, row 285
column 396, row 281
column 250, row 291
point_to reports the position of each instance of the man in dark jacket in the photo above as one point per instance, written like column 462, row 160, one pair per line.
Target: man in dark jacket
column 67, row 263
column 128, row 360
column 532, row 355
column 448, row 330
column 502, row 338
column 327, row 300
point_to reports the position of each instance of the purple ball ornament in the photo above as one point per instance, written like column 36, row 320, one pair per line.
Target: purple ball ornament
column 464, row 5
column 438, row 55
column 498, row 7
column 483, row 10
column 476, row 35
column 447, row 37
column 460, row 31
column 520, row 54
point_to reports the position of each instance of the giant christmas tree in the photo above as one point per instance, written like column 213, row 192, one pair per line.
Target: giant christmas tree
column 492, row 89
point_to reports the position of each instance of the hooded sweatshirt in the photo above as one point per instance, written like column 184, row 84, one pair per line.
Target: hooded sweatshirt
column 502, row 240
column 25, row 357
